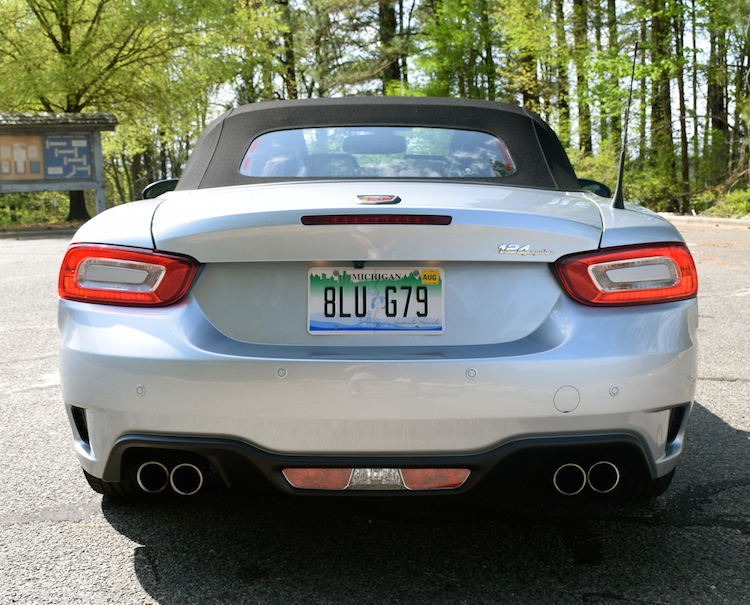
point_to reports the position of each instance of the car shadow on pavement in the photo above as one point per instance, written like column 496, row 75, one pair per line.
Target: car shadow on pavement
column 688, row 546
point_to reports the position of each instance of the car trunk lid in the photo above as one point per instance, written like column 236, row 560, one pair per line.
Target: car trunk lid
column 492, row 257
column 264, row 223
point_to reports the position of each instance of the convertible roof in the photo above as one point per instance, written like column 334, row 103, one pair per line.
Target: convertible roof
column 539, row 157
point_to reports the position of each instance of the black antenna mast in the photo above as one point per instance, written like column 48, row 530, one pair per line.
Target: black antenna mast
column 617, row 199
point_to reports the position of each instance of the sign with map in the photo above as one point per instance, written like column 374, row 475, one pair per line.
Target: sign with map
column 38, row 157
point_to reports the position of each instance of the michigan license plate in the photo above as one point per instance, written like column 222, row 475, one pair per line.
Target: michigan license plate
column 351, row 301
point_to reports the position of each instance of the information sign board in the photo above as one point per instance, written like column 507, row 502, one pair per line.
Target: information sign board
column 25, row 158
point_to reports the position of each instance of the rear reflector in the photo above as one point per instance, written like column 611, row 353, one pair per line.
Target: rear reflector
column 318, row 478
column 376, row 479
column 434, row 478
column 377, row 219
column 632, row 275
column 116, row 275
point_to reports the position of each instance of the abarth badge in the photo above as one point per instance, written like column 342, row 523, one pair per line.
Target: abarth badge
column 377, row 199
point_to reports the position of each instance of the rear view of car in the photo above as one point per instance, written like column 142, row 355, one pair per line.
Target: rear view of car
column 378, row 296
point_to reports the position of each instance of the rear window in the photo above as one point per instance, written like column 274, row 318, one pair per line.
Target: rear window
column 377, row 152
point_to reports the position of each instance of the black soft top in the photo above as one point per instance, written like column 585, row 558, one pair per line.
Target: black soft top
column 538, row 154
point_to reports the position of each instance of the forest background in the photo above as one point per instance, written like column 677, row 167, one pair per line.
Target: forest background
column 165, row 68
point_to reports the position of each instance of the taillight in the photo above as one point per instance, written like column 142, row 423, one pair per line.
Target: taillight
column 377, row 219
column 117, row 275
column 632, row 275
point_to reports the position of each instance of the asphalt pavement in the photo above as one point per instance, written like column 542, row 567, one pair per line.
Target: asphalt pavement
column 62, row 543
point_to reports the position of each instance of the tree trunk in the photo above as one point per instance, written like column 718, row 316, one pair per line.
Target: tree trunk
column 642, row 86
column 741, row 166
column 615, row 124
column 716, row 97
column 696, row 121
column 489, row 61
column 679, row 36
column 603, row 125
column 580, row 24
column 289, row 59
column 529, row 82
column 162, row 155
column 138, row 174
column 402, row 57
column 117, row 181
column 77, row 211
column 662, row 142
column 563, row 86
column 387, row 32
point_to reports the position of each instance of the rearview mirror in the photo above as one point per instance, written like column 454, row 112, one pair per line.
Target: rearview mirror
column 596, row 187
column 159, row 188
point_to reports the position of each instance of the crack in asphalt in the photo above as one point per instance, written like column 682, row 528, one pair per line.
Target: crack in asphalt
column 27, row 359
column 69, row 513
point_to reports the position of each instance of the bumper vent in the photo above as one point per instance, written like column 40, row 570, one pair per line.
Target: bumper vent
column 676, row 416
column 79, row 418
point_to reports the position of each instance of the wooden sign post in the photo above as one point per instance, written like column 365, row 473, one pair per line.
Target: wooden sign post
column 49, row 152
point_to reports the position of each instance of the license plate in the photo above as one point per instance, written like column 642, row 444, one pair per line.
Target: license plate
column 342, row 300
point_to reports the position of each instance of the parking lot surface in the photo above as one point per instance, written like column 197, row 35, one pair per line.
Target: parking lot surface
column 62, row 543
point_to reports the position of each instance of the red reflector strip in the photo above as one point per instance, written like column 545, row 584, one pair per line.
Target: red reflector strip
column 339, row 479
column 434, row 478
column 318, row 478
column 377, row 219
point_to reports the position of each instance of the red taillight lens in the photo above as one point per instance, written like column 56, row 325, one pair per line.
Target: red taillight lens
column 116, row 275
column 632, row 275
column 377, row 219
column 318, row 478
column 434, row 478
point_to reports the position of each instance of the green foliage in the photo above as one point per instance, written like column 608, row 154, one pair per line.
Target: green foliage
column 167, row 67
column 90, row 54
column 735, row 204
column 461, row 39
column 650, row 188
column 600, row 167
column 32, row 208
column 404, row 89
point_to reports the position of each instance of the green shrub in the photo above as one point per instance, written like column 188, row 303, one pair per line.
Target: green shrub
column 37, row 208
column 32, row 208
column 735, row 204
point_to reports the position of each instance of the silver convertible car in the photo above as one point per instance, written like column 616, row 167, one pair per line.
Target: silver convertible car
column 380, row 296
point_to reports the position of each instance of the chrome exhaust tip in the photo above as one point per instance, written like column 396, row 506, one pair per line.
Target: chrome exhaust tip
column 603, row 477
column 152, row 477
column 569, row 479
column 186, row 479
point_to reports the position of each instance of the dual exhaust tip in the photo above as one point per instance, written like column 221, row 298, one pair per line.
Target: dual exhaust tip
column 602, row 477
column 185, row 479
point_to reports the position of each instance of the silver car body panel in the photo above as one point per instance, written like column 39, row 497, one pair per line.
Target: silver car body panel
column 196, row 381
column 637, row 225
column 518, row 358
column 125, row 225
column 262, row 223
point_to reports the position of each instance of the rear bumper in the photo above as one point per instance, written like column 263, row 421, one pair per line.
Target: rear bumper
column 583, row 374
column 526, row 461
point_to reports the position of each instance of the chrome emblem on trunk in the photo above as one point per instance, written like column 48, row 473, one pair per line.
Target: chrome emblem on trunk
column 377, row 199
column 521, row 250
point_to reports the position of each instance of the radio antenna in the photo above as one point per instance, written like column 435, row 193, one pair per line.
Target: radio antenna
column 617, row 198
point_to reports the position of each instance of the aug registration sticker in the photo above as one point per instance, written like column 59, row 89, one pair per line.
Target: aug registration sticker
column 342, row 300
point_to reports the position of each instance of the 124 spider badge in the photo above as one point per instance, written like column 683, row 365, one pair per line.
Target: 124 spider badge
column 524, row 250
